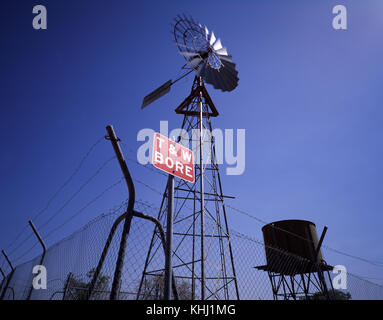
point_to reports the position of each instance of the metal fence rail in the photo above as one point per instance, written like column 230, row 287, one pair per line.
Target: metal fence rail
column 71, row 264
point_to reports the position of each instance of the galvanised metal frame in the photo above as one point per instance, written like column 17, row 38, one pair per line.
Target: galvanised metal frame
column 202, row 252
column 299, row 285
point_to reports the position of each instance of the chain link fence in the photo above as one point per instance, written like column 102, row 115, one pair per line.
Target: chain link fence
column 262, row 273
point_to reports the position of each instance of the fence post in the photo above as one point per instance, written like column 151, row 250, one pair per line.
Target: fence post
column 9, row 277
column 2, row 273
column 169, row 240
column 43, row 255
column 67, row 284
column 125, row 232
column 109, row 240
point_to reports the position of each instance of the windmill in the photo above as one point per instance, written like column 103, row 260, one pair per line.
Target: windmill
column 202, row 254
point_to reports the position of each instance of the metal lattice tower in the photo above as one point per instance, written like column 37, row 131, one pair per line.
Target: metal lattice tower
column 203, row 263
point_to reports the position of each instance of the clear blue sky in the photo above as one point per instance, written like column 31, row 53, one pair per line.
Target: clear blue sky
column 309, row 97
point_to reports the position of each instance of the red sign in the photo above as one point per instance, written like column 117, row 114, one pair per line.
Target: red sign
column 173, row 158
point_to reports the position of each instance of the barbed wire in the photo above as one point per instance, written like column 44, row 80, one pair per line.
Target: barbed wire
column 111, row 212
column 375, row 263
column 77, row 192
column 147, row 186
column 21, row 244
column 152, row 189
column 50, row 233
column 67, row 181
column 233, row 232
column 147, row 166
column 25, row 253
column 84, row 208
column 371, row 285
column 70, row 178
column 17, row 237
column 65, row 204
column 251, row 239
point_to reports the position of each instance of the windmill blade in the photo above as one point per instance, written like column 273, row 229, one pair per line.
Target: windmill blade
column 192, row 24
column 185, row 46
column 193, row 63
column 195, row 23
column 217, row 45
column 230, row 68
column 224, row 78
column 231, row 73
column 227, row 79
column 207, row 33
column 182, row 22
column 229, row 65
column 212, row 38
column 187, row 20
column 222, row 52
column 207, row 57
column 221, row 80
column 188, row 54
column 208, row 74
column 156, row 94
column 227, row 58
column 176, row 26
column 231, row 79
column 216, row 80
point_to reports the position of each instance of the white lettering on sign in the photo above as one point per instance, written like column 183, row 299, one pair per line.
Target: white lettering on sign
column 173, row 158
column 228, row 149
column 160, row 141
column 186, row 156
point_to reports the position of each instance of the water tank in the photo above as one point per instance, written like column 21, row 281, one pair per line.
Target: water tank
column 294, row 238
